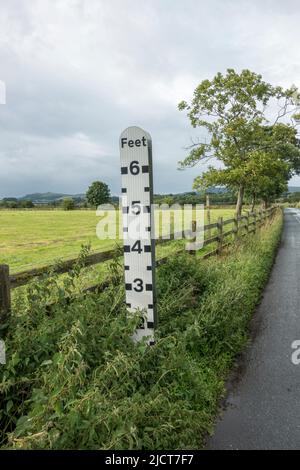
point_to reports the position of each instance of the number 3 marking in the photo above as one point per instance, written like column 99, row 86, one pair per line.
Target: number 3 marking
column 139, row 286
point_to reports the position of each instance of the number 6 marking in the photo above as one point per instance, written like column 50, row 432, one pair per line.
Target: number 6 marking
column 134, row 167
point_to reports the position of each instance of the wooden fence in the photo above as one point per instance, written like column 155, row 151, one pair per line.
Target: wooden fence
column 241, row 226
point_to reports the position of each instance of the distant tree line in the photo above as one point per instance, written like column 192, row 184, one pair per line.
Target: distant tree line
column 194, row 197
column 290, row 197
column 66, row 204
column 98, row 193
column 14, row 203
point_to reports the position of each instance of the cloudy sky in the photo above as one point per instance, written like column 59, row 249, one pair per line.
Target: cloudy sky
column 77, row 72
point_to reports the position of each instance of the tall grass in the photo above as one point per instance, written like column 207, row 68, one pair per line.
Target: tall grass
column 75, row 380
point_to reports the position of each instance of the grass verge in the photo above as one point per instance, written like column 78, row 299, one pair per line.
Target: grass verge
column 75, row 380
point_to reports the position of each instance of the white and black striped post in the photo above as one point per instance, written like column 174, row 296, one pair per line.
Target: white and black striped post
column 138, row 228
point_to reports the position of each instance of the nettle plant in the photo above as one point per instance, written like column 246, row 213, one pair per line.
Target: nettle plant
column 250, row 128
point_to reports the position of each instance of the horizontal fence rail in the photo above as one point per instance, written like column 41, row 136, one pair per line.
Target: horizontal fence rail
column 242, row 223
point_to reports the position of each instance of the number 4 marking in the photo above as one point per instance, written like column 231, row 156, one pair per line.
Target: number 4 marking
column 137, row 247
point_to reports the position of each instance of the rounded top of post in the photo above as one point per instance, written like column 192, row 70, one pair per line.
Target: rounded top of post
column 135, row 132
column 134, row 138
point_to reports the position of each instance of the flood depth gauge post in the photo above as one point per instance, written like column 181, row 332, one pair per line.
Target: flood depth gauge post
column 138, row 228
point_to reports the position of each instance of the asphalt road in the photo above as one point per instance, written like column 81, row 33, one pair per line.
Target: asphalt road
column 262, row 410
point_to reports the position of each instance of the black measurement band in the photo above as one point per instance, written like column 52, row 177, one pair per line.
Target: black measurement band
column 127, row 248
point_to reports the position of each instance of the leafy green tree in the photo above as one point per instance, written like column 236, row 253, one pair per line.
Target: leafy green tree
column 68, row 204
column 12, row 205
column 98, row 193
column 267, row 169
column 232, row 109
column 169, row 200
column 274, row 162
column 27, row 204
column 267, row 177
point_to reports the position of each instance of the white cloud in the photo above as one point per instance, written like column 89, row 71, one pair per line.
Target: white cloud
column 78, row 72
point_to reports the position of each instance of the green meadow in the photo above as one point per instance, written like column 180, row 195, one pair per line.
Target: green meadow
column 33, row 238
column 74, row 379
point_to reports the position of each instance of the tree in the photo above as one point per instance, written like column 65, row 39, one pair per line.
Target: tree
column 266, row 170
column 68, row 204
column 10, row 199
column 267, row 178
column 169, row 200
column 274, row 162
column 232, row 110
column 12, row 205
column 26, row 204
column 98, row 193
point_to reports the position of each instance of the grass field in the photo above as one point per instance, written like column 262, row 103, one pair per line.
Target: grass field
column 74, row 379
column 31, row 238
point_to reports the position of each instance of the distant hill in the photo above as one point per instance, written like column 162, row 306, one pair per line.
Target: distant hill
column 44, row 198
column 294, row 189
column 217, row 190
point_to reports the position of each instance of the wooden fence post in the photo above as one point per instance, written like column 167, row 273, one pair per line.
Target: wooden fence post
column 254, row 217
column 220, row 234
column 208, row 215
column 273, row 212
column 193, row 239
column 260, row 218
column 248, row 218
column 236, row 227
column 5, row 300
